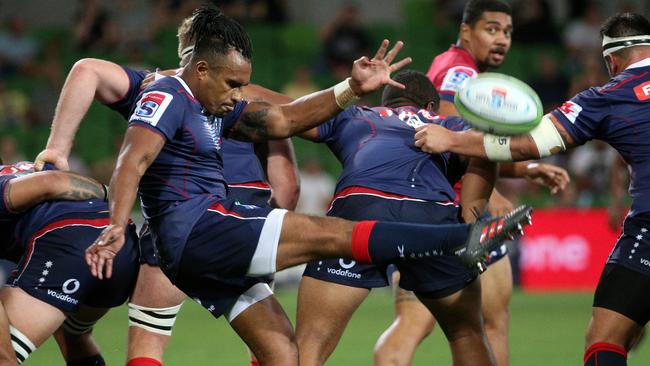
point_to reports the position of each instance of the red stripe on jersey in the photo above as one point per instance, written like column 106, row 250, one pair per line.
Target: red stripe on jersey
column 97, row 223
column 623, row 82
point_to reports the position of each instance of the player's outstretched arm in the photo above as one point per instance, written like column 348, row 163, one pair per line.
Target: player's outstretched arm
column 90, row 79
column 29, row 190
column 262, row 121
column 550, row 135
column 140, row 148
column 282, row 172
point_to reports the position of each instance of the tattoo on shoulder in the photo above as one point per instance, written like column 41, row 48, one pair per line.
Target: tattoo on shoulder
column 252, row 124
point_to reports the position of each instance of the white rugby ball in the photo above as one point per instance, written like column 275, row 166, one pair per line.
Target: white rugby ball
column 499, row 104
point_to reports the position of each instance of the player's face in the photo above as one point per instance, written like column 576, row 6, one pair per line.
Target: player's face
column 490, row 38
column 222, row 87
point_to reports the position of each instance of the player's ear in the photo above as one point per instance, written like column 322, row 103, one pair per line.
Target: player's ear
column 464, row 32
column 202, row 69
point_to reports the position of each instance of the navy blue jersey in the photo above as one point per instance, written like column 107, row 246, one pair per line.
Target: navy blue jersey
column 242, row 165
column 190, row 163
column 619, row 114
column 376, row 149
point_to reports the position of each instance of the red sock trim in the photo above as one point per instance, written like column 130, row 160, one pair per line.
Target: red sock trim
column 604, row 346
column 254, row 363
column 360, row 237
column 144, row 361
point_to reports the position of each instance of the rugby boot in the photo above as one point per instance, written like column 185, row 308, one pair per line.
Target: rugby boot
column 486, row 235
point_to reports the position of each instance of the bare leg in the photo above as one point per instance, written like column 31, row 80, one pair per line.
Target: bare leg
column 152, row 290
column 79, row 346
column 7, row 355
column 20, row 308
column 459, row 316
column 324, row 310
column 413, row 322
column 496, row 291
column 611, row 327
column 268, row 333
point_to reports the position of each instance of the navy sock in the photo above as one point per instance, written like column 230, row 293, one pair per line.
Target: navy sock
column 383, row 242
column 96, row 360
column 605, row 354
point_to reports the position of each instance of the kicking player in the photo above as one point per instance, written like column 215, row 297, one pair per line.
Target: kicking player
column 483, row 42
column 155, row 301
column 49, row 234
column 619, row 114
column 212, row 247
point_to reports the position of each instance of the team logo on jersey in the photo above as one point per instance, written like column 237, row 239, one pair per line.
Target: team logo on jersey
column 411, row 119
column 386, row 113
column 456, row 77
column 571, row 111
column 424, row 113
column 151, row 107
column 642, row 91
column 22, row 167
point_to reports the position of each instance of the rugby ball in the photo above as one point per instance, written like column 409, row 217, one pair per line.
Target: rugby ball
column 499, row 104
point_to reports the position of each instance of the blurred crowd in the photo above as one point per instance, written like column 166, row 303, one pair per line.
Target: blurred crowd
column 33, row 65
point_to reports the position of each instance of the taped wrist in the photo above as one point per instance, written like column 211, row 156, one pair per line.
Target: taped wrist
column 344, row 94
column 497, row 148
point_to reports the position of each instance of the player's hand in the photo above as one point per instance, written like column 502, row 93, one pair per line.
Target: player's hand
column 551, row 176
column 369, row 75
column 499, row 205
column 615, row 216
column 51, row 156
column 99, row 256
column 432, row 138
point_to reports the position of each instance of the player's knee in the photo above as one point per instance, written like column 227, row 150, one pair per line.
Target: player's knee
column 76, row 327
column 280, row 354
column 22, row 345
column 96, row 360
column 155, row 320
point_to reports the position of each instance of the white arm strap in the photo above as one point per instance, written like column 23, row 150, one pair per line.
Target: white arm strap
column 547, row 138
column 497, row 148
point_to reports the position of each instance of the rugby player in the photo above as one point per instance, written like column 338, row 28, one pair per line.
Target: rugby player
column 212, row 247
column 385, row 177
column 483, row 41
column 48, row 220
column 619, row 114
column 155, row 301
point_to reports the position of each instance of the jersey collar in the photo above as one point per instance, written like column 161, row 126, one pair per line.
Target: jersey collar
column 643, row 63
column 187, row 88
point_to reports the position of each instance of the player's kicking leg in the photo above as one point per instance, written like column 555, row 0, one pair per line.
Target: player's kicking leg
column 153, row 307
column 413, row 322
column 324, row 310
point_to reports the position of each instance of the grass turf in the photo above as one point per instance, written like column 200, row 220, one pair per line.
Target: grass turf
column 546, row 329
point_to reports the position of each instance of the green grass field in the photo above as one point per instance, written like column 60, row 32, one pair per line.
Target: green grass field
column 546, row 329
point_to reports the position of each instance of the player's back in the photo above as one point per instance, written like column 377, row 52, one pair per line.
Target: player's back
column 376, row 148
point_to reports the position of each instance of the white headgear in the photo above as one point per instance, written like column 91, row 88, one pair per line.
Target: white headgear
column 613, row 44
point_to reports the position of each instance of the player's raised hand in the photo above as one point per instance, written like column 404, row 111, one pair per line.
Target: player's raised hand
column 369, row 75
column 51, row 156
column 99, row 256
column 551, row 176
column 432, row 138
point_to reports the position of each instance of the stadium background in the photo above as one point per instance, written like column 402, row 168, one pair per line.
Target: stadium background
column 299, row 46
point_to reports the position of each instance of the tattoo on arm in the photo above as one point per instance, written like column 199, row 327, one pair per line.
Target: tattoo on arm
column 81, row 188
column 252, row 124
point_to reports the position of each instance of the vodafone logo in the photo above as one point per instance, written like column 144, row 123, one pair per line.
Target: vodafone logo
column 552, row 253
column 642, row 91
